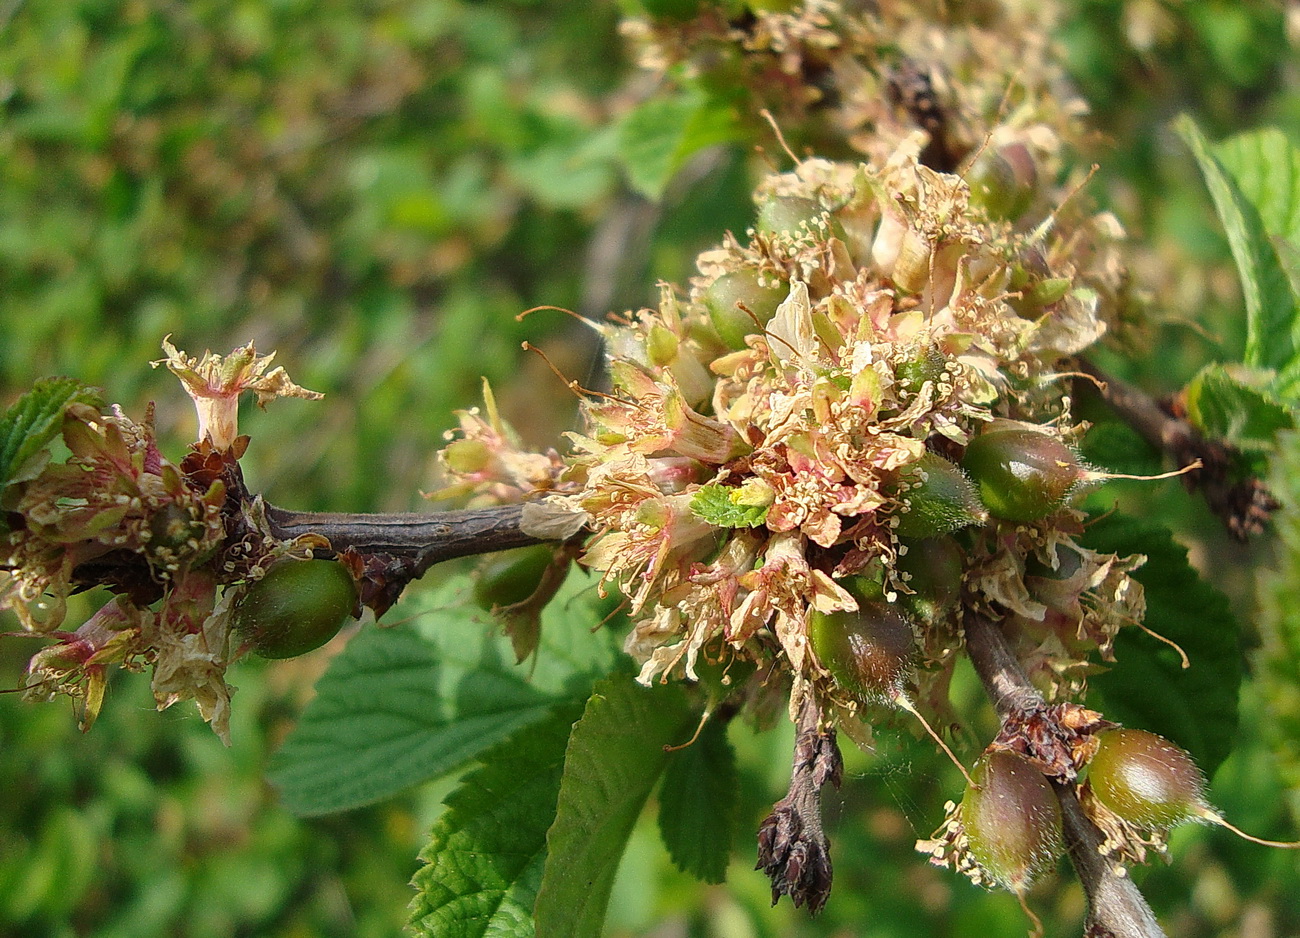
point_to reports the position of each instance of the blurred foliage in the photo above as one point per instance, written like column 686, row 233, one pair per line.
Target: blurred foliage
column 375, row 189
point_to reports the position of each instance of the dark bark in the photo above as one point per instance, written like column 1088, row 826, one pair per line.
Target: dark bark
column 1241, row 501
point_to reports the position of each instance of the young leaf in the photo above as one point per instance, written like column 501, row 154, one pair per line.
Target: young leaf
column 485, row 854
column 615, row 756
column 402, row 705
column 1271, row 325
column 1265, row 166
column 35, row 419
column 1222, row 402
column 657, row 138
column 717, row 505
column 697, row 804
column 1197, row 706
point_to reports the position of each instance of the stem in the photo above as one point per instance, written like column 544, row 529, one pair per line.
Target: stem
column 1116, row 908
column 426, row 539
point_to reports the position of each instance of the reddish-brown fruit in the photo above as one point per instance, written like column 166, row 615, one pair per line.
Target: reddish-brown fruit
column 868, row 652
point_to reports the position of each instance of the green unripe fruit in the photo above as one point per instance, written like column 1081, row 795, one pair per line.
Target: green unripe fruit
column 1012, row 820
column 1022, row 474
column 928, row 365
column 793, row 215
column 296, row 607
column 1149, row 782
column 940, row 498
column 934, row 567
column 1003, row 181
column 1146, row 780
column 511, row 576
column 731, row 295
column 868, row 652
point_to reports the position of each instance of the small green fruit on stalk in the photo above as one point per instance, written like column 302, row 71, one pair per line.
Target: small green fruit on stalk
column 1149, row 782
column 1024, row 474
column 296, row 607
column 1012, row 820
column 511, row 576
column 869, row 654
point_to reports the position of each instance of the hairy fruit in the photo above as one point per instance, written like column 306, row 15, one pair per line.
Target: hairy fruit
column 740, row 304
column 940, row 499
column 1012, row 820
column 933, row 570
column 296, row 607
column 793, row 215
column 868, row 652
column 1146, row 780
column 1022, row 474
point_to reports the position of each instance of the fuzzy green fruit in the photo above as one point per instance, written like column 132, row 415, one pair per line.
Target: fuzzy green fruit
column 740, row 305
column 929, row 365
column 1003, row 181
column 1022, row 474
column 793, row 215
column 1012, row 820
column 511, row 576
column 296, row 607
column 1146, row 780
column 869, row 652
column 940, row 499
column 934, row 568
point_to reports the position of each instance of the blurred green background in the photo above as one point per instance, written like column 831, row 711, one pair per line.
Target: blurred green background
column 375, row 190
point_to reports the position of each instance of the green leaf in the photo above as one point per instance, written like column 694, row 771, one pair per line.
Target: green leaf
column 1229, row 403
column 1146, row 687
column 1265, row 167
column 615, row 756
column 35, row 419
column 1279, row 617
column 485, row 854
column 717, row 505
column 697, row 804
column 1270, row 174
column 406, row 704
column 658, row 137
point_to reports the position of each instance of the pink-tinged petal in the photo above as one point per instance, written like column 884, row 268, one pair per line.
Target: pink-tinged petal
column 214, row 382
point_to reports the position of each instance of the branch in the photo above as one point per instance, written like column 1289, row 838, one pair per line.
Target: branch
column 426, row 539
column 1116, row 908
column 1244, row 505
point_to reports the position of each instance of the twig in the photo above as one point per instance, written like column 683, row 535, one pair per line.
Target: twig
column 1116, row 909
column 1243, row 504
column 426, row 539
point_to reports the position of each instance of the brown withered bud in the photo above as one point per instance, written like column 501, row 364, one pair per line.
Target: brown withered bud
column 792, row 847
